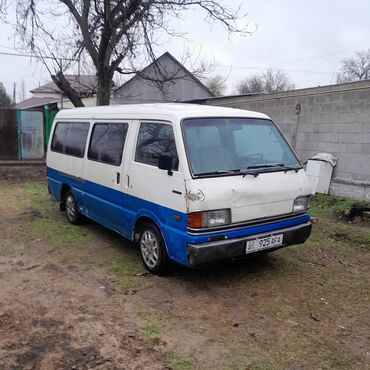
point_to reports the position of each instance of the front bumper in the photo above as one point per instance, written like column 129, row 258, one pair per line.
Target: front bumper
column 211, row 252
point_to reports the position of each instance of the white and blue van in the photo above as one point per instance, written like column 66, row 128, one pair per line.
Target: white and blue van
column 190, row 183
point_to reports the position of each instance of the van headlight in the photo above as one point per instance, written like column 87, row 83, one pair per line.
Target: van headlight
column 204, row 219
column 301, row 204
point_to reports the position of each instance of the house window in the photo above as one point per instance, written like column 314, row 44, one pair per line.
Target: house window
column 107, row 142
column 154, row 139
column 70, row 138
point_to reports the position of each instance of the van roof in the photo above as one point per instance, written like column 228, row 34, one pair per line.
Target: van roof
column 166, row 111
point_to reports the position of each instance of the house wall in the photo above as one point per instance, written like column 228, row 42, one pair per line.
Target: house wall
column 88, row 102
column 333, row 119
column 46, row 95
column 183, row 87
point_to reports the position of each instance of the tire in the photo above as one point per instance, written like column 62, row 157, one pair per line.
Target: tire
column 152, row 249
column 72, row 209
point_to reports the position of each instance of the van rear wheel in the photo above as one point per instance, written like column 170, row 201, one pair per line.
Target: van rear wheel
column 71, row 209
column 152, row 249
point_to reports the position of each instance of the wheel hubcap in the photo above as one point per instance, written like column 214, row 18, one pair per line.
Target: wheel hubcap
column 149, row 248
column 70, row 207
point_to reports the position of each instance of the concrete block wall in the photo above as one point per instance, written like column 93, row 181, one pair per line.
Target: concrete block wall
column 333, row 119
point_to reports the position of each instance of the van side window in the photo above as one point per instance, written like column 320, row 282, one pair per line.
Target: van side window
column 107, row 142
column 154, row 139
column 70, row 138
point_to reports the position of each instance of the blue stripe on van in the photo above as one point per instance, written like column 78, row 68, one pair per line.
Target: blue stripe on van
column 119, row 212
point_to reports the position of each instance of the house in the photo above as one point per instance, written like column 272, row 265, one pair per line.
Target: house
column 50, row 95
column 164, row 80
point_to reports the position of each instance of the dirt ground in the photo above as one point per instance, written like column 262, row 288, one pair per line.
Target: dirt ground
column 77, row 297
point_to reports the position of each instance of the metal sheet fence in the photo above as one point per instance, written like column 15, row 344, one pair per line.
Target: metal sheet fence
column 8, row 134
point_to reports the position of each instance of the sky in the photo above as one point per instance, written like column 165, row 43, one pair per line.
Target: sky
column 306, row 39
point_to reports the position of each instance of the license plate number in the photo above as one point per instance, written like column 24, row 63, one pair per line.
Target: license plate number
column 258, row 244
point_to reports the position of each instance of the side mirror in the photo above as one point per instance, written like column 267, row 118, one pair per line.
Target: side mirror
column 165, row 162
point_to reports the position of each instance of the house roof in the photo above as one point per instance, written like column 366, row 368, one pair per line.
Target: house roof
column 188, row 73
column 85, row 83
column 35, row 102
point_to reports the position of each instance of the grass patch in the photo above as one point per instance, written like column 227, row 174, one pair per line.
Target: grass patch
column 332, row 228
column 124, row 267
column 37, row 193
column 45, row 222
column 335, row 359
column 55, row 232
column 12, row 198
column 176, row 362
column 151, row 331
column 325, row 204
column 125, row 285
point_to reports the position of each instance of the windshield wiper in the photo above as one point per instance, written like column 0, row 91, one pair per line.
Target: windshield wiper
column 295, row 169
column 265, row 165
column 253, row 173
column 280, row 166
column 219, row 172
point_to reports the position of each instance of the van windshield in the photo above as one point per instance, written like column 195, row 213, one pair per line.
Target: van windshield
column 219, row 146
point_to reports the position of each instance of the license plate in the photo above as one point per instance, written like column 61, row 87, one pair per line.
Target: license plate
column 258, row 244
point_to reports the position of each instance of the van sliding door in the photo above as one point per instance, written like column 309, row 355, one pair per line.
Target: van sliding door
column 105, row 200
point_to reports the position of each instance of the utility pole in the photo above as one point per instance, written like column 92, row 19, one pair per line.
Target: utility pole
column 78, row 78
column 14, row 92
column 61, row 92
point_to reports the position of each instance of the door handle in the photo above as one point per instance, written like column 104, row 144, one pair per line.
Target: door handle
column 118, row 177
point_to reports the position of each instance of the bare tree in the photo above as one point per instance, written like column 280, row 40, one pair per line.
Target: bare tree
column 5, row 100
column 269, row 81
column 355, row 68
column 276, row 81
column 251, row 84
column 216, row 84
column 112, row 35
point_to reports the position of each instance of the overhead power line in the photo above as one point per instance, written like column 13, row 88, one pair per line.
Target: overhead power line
column 321, row 56
column 263, row 68
column 296, row 61
column 36, row 56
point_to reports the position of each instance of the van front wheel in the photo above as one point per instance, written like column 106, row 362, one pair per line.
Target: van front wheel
column 71, row 209
column 152, row 249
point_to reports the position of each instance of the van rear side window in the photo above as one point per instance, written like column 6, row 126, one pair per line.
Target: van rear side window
column 107, row 142
column 70, row 138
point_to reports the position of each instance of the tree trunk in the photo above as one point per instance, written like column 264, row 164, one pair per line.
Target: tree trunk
column 66, row 88
column 104, row 88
